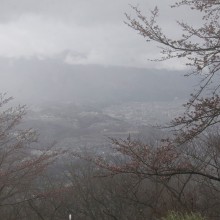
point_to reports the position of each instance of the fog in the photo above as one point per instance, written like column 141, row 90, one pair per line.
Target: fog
column 81, row 79
column 79, row 60
column 83, row 52
column 51, row 80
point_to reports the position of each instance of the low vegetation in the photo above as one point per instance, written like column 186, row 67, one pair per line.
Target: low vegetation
column 180, row 216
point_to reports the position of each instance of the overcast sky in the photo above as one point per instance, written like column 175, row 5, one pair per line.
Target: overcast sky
column 80, row 31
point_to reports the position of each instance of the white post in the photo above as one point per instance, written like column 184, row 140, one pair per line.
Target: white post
column 70, row 217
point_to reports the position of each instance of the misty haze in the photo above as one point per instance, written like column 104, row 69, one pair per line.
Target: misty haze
column 109, row 110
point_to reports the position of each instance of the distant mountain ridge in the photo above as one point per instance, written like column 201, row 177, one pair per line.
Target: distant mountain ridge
column 35, row 80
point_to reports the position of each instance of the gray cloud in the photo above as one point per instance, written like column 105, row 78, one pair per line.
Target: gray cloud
column 91, row 30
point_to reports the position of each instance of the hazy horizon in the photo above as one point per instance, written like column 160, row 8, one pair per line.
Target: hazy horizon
column 34, row 81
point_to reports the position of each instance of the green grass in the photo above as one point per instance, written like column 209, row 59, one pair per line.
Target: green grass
column 180, row 216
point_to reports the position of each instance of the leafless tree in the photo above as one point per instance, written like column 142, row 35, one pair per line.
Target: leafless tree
column 200, row 48
column 20, row 165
